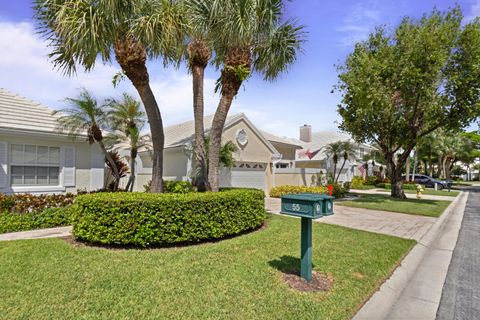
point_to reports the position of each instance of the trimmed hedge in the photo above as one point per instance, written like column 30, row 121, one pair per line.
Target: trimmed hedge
column 405, row 186
column 48, row 218
column 277, row 192
column 29, row 203
column 143, row 219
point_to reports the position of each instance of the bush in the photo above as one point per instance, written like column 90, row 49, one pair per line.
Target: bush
column 372, row 180
column 277, row 192
column 48, row 218
column 405, row 186
column 357, row 183
column 143, row 219
column 347, row 185
column 339, row 191
column 29, row 203
column 172, row 186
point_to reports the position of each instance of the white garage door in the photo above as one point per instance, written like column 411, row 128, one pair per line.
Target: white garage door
column 244, row 176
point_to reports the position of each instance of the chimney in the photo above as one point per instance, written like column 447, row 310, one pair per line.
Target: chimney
column 306, row 133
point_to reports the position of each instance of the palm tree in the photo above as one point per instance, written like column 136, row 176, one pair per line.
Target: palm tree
column 250, row 36
column 348, row 151
column 80, row 31
column 85, row 115
column 131, row 140
column 127, row 118
column 334, row 150
column 200, row 15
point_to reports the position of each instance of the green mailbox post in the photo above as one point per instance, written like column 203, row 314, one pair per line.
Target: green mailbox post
column 307, row 206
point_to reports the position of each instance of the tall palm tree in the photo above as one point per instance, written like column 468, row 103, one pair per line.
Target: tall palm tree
column 250, row 36
column 348, row 152
column 334, row 150
column 80, row 31
column 128, row 119
column 85, row 115
column 200, row 17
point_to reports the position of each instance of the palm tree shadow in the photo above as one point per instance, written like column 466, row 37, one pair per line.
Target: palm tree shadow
column 287, row 265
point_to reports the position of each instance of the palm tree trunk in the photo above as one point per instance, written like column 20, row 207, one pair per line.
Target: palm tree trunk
column 131, row 56
column 112, row 164
column 216, row 140
column 341, row 168
column 131, row 179
column 201, row 172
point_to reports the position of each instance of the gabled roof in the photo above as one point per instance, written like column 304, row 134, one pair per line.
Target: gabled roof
column 184, row 133
column 319, row 140
column 283, row 140
column 20, row 114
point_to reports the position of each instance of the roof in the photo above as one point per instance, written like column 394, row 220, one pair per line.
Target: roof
column 184, row 133
column 19, row 113
column 319, row 140
column 284, row 140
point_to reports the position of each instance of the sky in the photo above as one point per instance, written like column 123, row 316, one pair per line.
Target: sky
column 303, row 95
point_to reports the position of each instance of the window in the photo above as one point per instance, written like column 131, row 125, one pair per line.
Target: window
column 362, row 153
column 32, row 165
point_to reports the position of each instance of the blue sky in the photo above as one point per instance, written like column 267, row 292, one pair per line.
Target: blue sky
column 303, row 95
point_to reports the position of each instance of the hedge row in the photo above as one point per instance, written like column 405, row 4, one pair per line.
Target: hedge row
column 406, row 186
column 29, row 203
column 277, row 192
column 142, row 219
column 48, row 218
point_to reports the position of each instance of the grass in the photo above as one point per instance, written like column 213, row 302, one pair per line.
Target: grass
column 421, row 207
column 452, row 193
column 240, row 278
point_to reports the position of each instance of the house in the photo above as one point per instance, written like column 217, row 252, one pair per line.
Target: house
column 36, row 158
column 262, row 160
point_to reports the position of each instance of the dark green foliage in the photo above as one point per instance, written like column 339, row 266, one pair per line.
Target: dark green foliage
column 141, row 219
column 48, row 218
column 177, row 187
column 372, row 180
column 406, row 186
column 339, row 191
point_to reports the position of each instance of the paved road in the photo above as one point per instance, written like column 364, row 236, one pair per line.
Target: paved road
column 461, row 291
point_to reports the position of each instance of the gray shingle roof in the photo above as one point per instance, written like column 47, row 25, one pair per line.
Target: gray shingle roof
column 273, row 138
column 19, row 113
column 319, row 140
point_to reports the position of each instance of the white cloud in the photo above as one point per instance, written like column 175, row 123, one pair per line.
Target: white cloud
column 26, row 70
column 359, row 22
column 474, row 11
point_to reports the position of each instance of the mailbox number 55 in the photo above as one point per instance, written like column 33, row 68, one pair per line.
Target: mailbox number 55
column 295, row 207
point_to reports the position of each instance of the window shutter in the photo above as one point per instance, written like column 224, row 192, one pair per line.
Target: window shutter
column 3, row 164
column 69, row 167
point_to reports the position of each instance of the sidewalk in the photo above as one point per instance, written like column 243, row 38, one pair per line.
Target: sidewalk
column 415, row 288
column 37, row 234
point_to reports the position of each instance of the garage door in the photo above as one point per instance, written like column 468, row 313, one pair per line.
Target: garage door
column 244, row 175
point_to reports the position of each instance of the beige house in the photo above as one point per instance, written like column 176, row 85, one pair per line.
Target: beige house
column 262, row 160
column 36, row 158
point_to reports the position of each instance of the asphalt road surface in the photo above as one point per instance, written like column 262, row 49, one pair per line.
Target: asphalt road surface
column 461, row 291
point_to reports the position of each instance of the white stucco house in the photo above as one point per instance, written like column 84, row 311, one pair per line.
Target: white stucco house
column 36, row 158
column 262, row 160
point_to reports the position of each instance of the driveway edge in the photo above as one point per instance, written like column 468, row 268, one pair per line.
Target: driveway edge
column 381, row 304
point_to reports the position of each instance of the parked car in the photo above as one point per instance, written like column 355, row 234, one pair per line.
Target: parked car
column 429, row 182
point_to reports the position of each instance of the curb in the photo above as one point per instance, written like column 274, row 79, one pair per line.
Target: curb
column 381, row 302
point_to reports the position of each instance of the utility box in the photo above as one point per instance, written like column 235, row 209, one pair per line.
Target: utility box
column 307, row 205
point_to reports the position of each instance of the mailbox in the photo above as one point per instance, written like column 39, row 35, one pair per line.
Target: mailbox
column 307, row 205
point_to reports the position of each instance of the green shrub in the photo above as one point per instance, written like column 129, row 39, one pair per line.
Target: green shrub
column 347, row 185
column 357, row 183
column 144, row 219
column 277, row 192
column 372, row 180
column 338, row 191
column 409, row 186
column 172, row 186
column 48, row 218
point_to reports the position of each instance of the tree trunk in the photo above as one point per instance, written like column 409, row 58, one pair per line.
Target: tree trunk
column 444, row 167
column 201, row 172
column 407, row 169
column 131, row 56
column 396, row 183
column 339, row 172
column 131, row 179
column 112, row 164
column 216, row 140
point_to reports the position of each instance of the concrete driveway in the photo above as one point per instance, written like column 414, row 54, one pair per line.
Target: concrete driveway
column 396, row 224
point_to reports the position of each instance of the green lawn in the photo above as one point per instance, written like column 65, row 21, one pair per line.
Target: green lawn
column 422, row 207
column 432, row 192
column 240, row 278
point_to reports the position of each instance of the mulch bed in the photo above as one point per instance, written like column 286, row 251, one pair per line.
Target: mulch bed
column 320, row 282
